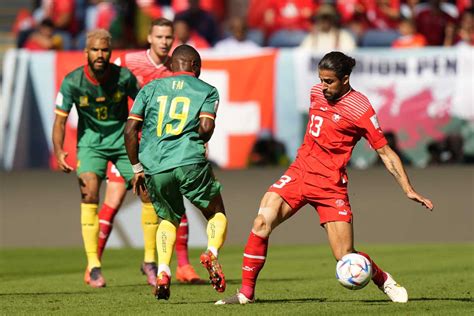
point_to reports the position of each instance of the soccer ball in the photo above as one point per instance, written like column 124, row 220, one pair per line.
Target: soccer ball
column 353, row 271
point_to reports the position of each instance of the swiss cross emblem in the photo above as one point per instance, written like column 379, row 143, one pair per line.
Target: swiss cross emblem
column 336, row 117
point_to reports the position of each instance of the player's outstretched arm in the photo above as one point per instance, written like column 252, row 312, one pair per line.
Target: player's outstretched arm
column 131, row 145
column 59, row 129
column 394, row 165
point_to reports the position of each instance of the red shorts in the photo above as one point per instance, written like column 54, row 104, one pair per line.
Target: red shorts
column 298, row 188
column 113, row 175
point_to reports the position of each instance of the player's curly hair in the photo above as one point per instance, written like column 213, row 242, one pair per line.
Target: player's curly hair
column 98, row 34
column 338, row 62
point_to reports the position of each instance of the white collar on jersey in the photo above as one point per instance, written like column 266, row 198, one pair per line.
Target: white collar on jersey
column 153, row 62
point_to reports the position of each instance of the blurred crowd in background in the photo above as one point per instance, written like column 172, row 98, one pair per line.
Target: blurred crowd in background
column 316, row 24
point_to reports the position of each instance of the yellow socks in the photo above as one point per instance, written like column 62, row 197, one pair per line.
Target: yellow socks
column 165, row 240
column 150, row 226
column 90, row 233
column 216, row 232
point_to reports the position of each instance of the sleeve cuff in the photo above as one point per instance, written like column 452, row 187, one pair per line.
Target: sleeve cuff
column 61, row 113
column 208, row 115
column 135, row 117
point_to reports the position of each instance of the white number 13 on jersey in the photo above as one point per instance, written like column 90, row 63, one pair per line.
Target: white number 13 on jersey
column 315, row 126
column 281, row 183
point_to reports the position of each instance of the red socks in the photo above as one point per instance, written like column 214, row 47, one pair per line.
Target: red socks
column 182, row 242
column 378, row 276
column 254, row 259
column 106, row 219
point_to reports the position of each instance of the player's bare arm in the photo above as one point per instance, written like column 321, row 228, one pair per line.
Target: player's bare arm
column 59, row 129
column 131, row 144
column 394, row 165
column 206, row 128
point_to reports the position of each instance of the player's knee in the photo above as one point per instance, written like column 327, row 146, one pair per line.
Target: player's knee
column 144, row 197
column 90, row 197
column 260, row 225
column 114, row 201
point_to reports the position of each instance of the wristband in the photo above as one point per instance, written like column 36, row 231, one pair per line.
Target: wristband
column 137, row 168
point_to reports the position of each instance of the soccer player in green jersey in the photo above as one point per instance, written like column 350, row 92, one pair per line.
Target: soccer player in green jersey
column 176, row 116
column 99, row 91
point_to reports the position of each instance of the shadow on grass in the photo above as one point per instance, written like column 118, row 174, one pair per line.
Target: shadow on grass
column 47, row 293
column 456, row 299
column 416, row 299
column 238, row 281
column 303, row 300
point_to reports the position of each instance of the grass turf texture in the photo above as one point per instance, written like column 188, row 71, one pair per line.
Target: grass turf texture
column 297, row 280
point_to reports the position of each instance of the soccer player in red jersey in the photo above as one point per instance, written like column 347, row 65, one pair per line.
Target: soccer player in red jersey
column 338, row 117
column 153, row 63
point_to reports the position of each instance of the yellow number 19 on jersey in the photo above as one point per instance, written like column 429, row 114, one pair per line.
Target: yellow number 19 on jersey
column 180, row 117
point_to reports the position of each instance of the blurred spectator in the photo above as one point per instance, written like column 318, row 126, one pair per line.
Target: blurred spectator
column 201, row 21
column 382, row 14
column 146, row 12
column 62, row 13
column 392, row 141
column 256, row 13
column 409, row 38
column 150, row 8
column 448, row 150
column 410, row 8
column 287, row 22
column 215, row 7
column 237, row 42
column 267, row 151
column 23, row 26
column 381, row 22
column 255, row 19
column 450, row 8
column 436, row 25
column 349, row 10
column 464, row 5
column 102, row 14
column 326, row 35
column 184, row 35
column 417, row 6
column 43, row 38
column 465, row 33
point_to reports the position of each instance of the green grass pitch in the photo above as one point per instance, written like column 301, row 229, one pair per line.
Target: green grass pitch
column 297, row 280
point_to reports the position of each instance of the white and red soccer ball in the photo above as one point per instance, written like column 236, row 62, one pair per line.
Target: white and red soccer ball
column 353, row 271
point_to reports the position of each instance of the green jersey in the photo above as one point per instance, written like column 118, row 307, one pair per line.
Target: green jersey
column 170, row 109
column 102, row 108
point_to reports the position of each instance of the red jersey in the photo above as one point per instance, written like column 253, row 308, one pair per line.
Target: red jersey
column 143, row 67
column 333, row 130
column 145, row 70
column 292, row 14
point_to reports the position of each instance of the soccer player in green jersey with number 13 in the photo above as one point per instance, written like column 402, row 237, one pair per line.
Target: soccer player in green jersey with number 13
column 176, row 116
column 99, row 91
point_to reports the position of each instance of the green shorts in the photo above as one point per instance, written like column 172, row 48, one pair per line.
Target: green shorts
column 166, row 189
column 91, row 160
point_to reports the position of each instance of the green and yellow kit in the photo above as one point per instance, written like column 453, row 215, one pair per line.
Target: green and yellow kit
column 102, row 109
column 171, row 151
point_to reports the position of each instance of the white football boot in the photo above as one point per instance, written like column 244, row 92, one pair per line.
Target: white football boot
column 394, row 291
column 238, row 298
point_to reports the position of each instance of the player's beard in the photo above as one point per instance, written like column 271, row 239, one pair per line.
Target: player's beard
column 98, row 71
column 331, row 98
